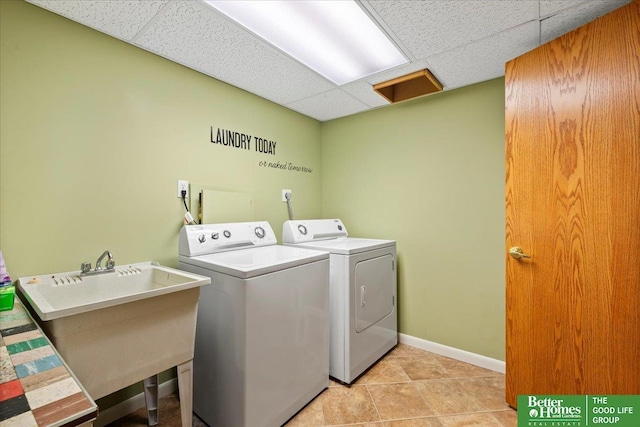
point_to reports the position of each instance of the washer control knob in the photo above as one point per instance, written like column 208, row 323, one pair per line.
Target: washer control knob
column 201, row 238
column 339, row 227
column 215, row 236
column 302, row 229
column 259, row 232
column 226, row 233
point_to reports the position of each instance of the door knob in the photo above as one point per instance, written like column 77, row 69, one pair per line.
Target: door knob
column 517, row 253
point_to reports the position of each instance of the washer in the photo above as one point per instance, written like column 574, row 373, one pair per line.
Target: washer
column 364, row 319
column 262, row 333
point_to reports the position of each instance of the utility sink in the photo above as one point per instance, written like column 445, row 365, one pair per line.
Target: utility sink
column 63, row 294
column 118, row 328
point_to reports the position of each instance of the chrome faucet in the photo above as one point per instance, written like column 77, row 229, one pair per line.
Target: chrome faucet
column 110, row 262
column 85, row 267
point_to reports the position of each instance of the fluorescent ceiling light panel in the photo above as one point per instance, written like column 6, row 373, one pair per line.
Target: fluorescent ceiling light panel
column 335, row 38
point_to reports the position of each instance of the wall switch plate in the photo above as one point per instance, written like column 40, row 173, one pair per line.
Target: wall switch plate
column 284, row 195
column 183, row 185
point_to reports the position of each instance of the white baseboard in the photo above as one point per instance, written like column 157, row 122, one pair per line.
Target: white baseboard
column 454, row 353
column 132, row 404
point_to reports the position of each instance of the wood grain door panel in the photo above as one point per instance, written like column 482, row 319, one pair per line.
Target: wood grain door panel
column 572, row 120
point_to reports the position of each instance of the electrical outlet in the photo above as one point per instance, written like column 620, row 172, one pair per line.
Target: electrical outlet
column 183, row 186
column 284, row 195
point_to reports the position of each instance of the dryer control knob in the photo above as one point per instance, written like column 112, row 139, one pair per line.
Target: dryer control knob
column 201, row 238
column 215, row 236
column 302, row 229
column 259, row 232
column 226, row 233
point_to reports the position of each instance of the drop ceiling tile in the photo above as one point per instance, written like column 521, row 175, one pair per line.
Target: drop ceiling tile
column 329, row 105
column 571, row 19
column 121, row 19
column 427, row 28
column 195, row 35
column 484, row 59
column 363, row 91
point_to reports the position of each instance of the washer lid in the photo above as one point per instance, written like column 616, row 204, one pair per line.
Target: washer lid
column 347, row 245
column 246, row 263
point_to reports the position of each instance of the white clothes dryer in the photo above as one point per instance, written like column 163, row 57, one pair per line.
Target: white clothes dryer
column 262, row 333
column 363, row 284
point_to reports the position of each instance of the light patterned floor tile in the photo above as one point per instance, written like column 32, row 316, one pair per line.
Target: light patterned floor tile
column 333, row 383
column 447, row 396
column 415, row 422
column 362, row 425
column 385, row 372
column 348, row 405
column 423, row 368
column 489, row 391
column 481, row 419
column 397, row 401
column 508, row 417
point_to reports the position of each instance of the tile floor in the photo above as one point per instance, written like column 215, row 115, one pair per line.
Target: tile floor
column 409, row 387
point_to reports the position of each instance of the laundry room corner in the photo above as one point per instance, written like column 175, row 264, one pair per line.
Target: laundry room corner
column 430, row 173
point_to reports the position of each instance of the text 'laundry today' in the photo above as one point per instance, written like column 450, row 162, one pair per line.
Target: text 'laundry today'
column 240, row 140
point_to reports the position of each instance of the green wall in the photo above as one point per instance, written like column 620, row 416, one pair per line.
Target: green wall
column 430, row 174
column 96, row 132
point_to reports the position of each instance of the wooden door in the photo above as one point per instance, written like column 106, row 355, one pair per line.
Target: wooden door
column 573, row 204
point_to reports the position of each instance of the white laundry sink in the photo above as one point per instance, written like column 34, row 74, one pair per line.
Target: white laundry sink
column 118, row 328
column 62, row 294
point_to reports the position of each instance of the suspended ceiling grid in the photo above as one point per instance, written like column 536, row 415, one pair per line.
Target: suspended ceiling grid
column 462, row 42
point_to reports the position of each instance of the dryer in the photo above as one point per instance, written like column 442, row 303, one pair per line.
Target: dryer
column 262, row 333
column 363, row 284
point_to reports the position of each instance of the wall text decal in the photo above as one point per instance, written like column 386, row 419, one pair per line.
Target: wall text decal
column 244, row 141
column 285, row 166
column 230, row 138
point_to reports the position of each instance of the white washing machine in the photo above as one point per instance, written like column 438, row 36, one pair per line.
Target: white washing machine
column 364, row 319
column 262, row 336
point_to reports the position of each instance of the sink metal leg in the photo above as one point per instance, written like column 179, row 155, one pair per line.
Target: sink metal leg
column 185, row 387
column 151, row 399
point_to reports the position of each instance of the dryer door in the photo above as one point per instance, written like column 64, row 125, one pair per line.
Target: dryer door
column 374, row 290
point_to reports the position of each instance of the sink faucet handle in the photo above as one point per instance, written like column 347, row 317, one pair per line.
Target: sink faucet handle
column 106, row 254
column 85, row 267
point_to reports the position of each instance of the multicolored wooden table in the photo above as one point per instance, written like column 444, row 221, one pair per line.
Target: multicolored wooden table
column 36, row 386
